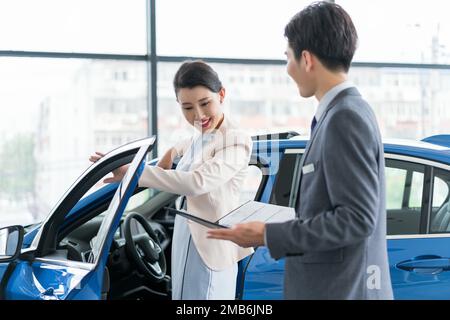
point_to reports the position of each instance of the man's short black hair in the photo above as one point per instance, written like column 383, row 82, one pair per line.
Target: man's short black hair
column 327, row 31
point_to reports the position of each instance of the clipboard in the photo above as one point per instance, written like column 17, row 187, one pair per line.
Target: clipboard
column 206, row 223
column 246, row 212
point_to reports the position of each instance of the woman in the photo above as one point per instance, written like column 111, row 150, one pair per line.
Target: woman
column 210, row 174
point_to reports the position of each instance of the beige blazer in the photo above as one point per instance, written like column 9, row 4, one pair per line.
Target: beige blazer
column 212, row 187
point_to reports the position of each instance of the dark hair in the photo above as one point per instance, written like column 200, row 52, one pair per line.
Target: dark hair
column 327, row 31
column 196, row 73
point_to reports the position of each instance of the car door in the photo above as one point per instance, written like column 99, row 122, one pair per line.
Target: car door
column 264, row 275
column 42, row 271
column 418, row 227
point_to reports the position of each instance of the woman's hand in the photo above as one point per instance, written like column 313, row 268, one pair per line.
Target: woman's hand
column 166, row 161
column 118, row 173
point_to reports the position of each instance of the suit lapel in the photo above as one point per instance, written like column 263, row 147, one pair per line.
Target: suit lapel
column 349, row 91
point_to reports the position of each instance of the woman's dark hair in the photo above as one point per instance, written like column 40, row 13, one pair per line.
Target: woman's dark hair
column 196, row 73
column 327, row 31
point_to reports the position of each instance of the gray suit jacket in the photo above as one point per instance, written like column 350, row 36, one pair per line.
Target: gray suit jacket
column 336, row 248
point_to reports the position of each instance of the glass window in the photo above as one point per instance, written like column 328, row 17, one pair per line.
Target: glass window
column 395, row 181
column 140, row 198
column 387, row 34
column 284, row 181
column 404, row 188
column 100, row 26
column 53, row 118
column 440, row 192
column 440, row 216
column 410, row 110
column 415, row 199
column 231, row 29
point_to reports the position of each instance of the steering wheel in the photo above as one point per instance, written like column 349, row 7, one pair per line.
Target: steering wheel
column 145, row 249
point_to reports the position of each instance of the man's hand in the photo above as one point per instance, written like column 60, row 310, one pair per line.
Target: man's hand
column 250, row 234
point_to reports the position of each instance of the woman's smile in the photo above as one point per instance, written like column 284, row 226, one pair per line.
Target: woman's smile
column 206, row 123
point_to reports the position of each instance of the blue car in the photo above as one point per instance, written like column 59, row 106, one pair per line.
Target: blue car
column 114, row 242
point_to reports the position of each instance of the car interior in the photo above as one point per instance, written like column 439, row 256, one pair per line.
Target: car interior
column 123, row 278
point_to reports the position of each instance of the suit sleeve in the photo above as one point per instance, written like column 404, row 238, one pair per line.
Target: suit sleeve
column 230, row 157
column 350, row 164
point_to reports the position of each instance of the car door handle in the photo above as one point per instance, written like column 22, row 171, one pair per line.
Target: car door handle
column 429, row 264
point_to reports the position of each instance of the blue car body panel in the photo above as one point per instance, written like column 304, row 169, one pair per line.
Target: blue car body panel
column 431, row 278
column 44, row 281
column 3, row 267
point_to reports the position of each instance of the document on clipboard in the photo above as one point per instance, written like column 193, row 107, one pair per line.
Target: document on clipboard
column 249, row 211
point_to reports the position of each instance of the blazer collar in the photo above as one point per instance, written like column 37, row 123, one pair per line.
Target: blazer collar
column 352, row 91
column 347, row 92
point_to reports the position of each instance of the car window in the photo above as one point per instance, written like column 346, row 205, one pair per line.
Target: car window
column 284, row 182
column 415, row 198
column 440, row 213
column 395, row 181
column 251, row 184
column 140, row 198
column 404, row 189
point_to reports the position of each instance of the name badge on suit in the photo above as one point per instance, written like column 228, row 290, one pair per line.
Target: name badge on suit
column 308, row 168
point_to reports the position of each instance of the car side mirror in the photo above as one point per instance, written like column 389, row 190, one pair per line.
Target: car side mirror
column 11, row 239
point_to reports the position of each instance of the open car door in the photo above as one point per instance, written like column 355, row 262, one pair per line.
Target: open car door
column 42, row 271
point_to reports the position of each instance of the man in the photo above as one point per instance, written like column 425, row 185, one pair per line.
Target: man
column 336, row 248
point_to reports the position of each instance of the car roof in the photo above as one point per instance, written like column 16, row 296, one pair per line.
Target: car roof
column 435, row 148
column 400, row 142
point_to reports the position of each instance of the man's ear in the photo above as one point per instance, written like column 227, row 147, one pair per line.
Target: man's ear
column 308, row 60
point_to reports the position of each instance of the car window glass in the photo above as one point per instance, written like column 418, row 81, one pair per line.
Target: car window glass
column 140, row 198
column 284, row 182
column 395, row 182
column 404, row 188
column 440, row 212
column 415, row 199
column 251, row 184
column 440, row 192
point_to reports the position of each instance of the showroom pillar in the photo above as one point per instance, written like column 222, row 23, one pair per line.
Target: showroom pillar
column 152, row 98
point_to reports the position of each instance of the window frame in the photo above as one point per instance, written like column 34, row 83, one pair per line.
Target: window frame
column 410, row 167
column 293, row 194
column 435, row 175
